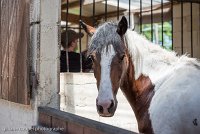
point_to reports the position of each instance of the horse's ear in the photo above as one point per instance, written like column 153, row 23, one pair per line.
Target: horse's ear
column 88, row 29
column 122, row 26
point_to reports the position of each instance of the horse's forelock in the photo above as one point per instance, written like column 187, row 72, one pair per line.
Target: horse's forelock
column 104, row 36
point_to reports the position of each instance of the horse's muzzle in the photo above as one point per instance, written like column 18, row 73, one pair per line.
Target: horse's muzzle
column 106, row 109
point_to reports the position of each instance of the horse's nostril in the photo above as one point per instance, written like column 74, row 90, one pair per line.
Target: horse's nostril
column 105, row 107
column 111, row 106
column 100, row 108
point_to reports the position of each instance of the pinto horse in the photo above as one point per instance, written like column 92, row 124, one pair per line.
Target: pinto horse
column 162, row 88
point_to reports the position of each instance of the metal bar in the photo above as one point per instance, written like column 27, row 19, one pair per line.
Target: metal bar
column 129, row 13
column 162, row 22
column 93, row 14
column 117, row 9
column 106, row 10
column 181, row 26
column 141, row 16
column 152, row 20
column 1, row 63
column 172, row 23
column 199, row 21
column 80, row 18
column 67, row 56
column 191, row 29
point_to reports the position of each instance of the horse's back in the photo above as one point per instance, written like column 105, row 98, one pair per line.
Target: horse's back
column 175, row 106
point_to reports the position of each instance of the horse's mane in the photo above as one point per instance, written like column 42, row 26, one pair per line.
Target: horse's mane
column 150, row 58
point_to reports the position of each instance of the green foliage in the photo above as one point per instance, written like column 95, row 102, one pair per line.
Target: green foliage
column 167, row 33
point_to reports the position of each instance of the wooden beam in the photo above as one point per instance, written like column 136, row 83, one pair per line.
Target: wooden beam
column 76, row 4
column 110, row 14
column 75, row 123
column 75, row 18
column 71, row 5
column 193, row 1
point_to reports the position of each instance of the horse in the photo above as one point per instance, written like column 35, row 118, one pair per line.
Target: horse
column 162, row 88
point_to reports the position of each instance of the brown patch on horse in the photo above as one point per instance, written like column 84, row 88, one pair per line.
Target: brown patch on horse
column 116, row 72
column 139, row 94
column 144, row 95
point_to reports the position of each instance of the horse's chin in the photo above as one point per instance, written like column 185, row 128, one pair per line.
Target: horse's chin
column 108, row 115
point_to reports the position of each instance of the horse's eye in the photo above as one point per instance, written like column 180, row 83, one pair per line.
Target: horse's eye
column 91, row 57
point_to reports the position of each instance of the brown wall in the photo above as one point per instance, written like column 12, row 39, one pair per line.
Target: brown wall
column 14, row 43
column 187, row 29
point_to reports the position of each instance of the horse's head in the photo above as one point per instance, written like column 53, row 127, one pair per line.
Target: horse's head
column 108, row 52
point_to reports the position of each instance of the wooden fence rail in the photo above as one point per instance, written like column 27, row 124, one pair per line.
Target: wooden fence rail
column 67, row 123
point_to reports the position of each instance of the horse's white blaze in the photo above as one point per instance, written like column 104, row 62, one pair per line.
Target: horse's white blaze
column 105, row 88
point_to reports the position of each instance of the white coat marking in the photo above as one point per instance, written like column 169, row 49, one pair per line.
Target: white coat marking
column 105, row 88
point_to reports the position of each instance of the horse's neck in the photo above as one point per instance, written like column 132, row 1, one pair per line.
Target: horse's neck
column 139, row 93
column 148, row 59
